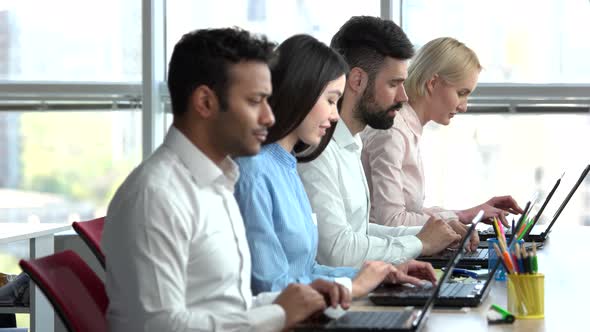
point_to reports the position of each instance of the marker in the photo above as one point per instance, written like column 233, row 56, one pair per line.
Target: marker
column 526, row 260
column 506, row 316
column 534, row 264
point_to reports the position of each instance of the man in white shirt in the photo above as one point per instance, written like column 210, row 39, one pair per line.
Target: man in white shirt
column 177, row 258
column 377, row 51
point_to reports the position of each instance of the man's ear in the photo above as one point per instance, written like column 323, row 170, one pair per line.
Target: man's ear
column 204, row 102
column 357, row 80
column 431, row 83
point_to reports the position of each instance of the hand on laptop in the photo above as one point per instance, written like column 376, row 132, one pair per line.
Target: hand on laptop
column 299, row 302
column 370, row 276
column 334, row 293
column 498, row 207
column 436, row 235
column 462, row 229
column 420, row 270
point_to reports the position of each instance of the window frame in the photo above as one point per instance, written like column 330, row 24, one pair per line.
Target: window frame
column 151, row 94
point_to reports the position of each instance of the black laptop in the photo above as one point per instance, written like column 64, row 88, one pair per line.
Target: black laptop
column 452, row 294
column 539, row 233
column 489, row 232
column 407, row 319
column 471, row 260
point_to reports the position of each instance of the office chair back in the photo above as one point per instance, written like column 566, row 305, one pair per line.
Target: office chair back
column 77, row 294
column 91, row 233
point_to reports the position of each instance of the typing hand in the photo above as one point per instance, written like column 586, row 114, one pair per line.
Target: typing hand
column 420, row 270
column 462, row 229
column 499, row 207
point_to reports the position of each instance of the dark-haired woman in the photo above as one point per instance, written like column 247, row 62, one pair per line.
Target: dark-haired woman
column 308, row 79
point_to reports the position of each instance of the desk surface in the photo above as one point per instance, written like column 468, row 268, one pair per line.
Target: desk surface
column 11, row 232
column 564, row 262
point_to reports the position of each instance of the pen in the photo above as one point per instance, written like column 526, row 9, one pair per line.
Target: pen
column 465, row 272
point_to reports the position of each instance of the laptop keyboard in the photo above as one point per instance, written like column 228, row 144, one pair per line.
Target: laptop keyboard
column 480, row 253
column 373, row 319
column 455, row 289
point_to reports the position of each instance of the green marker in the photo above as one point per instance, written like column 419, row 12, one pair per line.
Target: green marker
column 534, row 264
column 507, row 316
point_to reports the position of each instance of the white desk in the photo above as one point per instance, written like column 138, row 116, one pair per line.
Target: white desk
column 566, row 266
column 41, row 243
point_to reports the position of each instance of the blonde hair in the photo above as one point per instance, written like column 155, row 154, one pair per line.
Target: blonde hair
column 446, row 57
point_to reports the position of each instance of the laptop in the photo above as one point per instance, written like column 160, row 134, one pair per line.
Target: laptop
column 540, row 233
column 489, row 232
column 477, row 259
column 407, row 319
column 452, row 294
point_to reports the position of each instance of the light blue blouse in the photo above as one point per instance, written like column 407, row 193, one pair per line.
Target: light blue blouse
column 282, row 235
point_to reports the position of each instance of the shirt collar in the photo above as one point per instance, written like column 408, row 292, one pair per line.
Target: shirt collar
column 344, row 138
column 281, row 155
column 203, row 170
column 410, row 117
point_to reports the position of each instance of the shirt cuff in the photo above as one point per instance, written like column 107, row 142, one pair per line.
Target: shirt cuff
column 346, row 282
column 264, row 298
column 412, row 248
column 268, row 318
column 446, row 215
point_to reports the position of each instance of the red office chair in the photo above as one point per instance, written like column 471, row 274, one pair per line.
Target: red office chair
column 91, row 233
column 75, row 291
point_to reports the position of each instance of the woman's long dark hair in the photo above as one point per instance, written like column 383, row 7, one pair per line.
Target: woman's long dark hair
column 301, row 70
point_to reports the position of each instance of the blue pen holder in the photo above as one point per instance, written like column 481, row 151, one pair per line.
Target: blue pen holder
column 493, row 258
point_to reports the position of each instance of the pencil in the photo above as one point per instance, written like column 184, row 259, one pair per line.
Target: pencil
column 500, row 257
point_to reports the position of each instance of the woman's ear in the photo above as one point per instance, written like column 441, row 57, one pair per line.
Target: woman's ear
column 431, row 83
column 357, row 80
column 204, row 102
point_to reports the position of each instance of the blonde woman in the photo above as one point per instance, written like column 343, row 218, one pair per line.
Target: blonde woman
column 441, row 77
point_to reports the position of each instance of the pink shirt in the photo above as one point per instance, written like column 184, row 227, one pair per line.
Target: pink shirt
column 393, row 167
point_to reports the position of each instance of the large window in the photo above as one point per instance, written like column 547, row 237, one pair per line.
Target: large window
column 64, row 166
column 278, row 20
column 525, row 41
column 70, row 123
column 70, row 40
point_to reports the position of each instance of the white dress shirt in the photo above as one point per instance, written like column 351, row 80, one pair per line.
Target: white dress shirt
column 337, row 189
column 177, row 258
column 393, row 165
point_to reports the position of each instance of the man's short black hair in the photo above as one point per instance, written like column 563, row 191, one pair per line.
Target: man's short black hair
column 365, row 41
column 203, row 57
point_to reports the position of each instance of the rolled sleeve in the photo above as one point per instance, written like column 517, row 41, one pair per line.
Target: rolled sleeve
column 267, row 318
